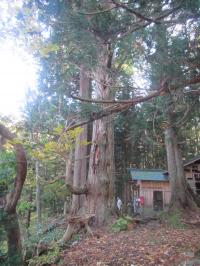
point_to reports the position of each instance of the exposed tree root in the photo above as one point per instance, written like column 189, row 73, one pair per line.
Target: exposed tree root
column 75, row 223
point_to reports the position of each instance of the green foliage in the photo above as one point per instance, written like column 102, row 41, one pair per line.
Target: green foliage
column 7, row 168
column 65, row 142
column 3, row 236
column 46, row 234
column 53, row 235
column 24, row 206
column 56, row 192
column 87, row 109
column 120, row 225
column 49, row 48
column 52, row 256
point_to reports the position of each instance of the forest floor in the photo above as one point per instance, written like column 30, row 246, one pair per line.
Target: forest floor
column 150, row 244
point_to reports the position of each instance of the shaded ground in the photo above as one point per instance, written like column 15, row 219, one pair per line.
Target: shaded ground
column 151, row 244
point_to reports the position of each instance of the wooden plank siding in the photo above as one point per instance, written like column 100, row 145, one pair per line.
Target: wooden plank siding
column 192, row 174
column 148, row 187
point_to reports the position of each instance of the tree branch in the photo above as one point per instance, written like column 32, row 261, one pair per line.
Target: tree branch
column 130, row 10
column 97, row 12
column 13, row 197
column 156, row 20
column 157, row 92
column 74, row 190
column 119, row 106
column 102, row 101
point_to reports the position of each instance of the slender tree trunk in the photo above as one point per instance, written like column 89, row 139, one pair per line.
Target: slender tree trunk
column 68, row 177
column 101, row 166
column 38, row 193
column 28, row 219
column 182, row 196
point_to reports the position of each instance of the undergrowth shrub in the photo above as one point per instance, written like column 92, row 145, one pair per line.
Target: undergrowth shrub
column 120, row 225
column 52, row 256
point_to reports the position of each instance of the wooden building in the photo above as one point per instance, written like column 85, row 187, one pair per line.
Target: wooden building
column 153, row 185
column 192, row 173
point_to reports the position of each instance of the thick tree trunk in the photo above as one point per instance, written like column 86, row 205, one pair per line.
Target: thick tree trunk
column 101, row 166
column 80, row 167
column 12, row 229
column 182, row 196
column 101, row 172
column 80, row 163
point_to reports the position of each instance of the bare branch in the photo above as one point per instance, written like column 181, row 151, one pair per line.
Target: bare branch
column 193, row 92
column 74, row 190
column 135, row 100
column 130, row 10
column 119, row 106
column 97, row 12
column 186, row 83
column 115, row 109
column 101, row 101
column 157, row 20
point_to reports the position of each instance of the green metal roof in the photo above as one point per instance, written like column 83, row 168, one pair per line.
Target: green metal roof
column 148, row 174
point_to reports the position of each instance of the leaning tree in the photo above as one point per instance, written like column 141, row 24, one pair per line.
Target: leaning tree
column 9, row 200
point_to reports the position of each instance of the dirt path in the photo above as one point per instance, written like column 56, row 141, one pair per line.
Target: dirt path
column 145, row 245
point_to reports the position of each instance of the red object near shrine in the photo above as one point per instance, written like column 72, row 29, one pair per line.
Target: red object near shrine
column 141, row 200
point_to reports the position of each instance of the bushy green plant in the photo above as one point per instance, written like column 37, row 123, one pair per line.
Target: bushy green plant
column 36, row 235
column 53, row 235
column 120, row 225
column 52, row 256
column 129, row 219
column 7, row 170
column 24, row 206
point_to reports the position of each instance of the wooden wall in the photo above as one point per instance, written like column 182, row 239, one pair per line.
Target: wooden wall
column 148, row 187
column 192, row 174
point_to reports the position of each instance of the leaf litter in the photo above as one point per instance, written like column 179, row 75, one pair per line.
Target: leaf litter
column 143, row 245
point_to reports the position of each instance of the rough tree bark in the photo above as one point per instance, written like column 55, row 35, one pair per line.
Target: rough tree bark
column 182, row 196
column 68, row 178
column 80, row 169
column 80, row 163
column 10, row 202
column 101, row 166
